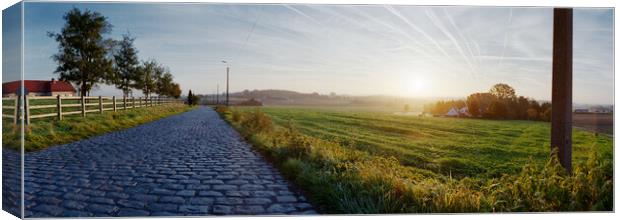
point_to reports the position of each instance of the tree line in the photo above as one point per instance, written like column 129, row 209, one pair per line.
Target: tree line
column 500, row 102
column 86, row 58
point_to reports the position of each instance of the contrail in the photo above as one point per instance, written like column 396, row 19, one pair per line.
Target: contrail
column 506, row 37
column 466, row 40
column 247, row 38
column 416, row 28
column 302, row 14
column 419, row 46
column 431, row 15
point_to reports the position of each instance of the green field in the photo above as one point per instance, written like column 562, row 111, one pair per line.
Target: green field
column 365, row 161
column 462, row 147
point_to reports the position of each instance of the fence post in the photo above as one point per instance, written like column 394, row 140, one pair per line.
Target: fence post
column 16, row 111
column 139, row 102
column 83, row 107
column 133, row 102
column 114, row 103
column 27, row 109
column 100, row 105
column 59, row 107
column 124, row 102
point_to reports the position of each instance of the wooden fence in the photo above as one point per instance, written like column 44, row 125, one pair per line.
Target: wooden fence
column 59, row 106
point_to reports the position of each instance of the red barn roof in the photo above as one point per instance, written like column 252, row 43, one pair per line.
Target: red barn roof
column 40, row 86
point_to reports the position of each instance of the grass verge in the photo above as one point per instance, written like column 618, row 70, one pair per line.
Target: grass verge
column 341, row 179
column 43, row 133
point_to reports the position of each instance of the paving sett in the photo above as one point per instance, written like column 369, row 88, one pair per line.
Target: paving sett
column 193, row 163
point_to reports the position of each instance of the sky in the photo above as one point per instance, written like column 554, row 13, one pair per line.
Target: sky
column 408, row 51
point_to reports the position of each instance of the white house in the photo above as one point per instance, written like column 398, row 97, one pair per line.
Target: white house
column 464, row 111
column 453, row 112
column 456, row 112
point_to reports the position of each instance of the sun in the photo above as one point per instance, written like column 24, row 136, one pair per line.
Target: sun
column 418, row 86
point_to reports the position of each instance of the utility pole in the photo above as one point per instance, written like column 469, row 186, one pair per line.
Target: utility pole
column 227, row 70
column 217, row 95
column 562, row 86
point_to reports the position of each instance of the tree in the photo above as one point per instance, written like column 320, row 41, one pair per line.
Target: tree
column 192, row 99
column 165, row 84
column 148, row 77
column 532, row 114
column 545, row 111
column 176, row 90
column 407, row 108
column 502, row 91
column 82, row 50
column 473, row 106
column 126, row 70
column 189, row 97
column 497, row 109
column 483, row 100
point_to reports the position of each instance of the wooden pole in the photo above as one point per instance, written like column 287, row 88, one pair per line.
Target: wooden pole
column 133, row 102
column 59, row 107
column 27, row 108
column 83, row 107
column 139, row 102
column 16, row 111
column 562, row 88
column 124, row 102
column 114, row 103
column 100, row 105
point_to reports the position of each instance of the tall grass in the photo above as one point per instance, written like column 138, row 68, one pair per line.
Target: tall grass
column 342, row 179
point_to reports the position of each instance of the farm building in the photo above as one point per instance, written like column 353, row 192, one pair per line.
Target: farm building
column 38, row 88
column 456, row 112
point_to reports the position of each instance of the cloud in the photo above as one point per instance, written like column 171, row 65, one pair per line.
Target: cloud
column 348, row 49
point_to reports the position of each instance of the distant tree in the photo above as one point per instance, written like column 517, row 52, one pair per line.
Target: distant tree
column 502, row 91
column 176, row 90
column 473, row 106
column 192, row 99
column 545, row 111
column 126, row 64
column 483, row 100
column 407, row 108
column 148, row 77
column 497, row 109
column 532, row 114
column 82, row 50
column 189, row 97
column 165, row 84
column 522, row 106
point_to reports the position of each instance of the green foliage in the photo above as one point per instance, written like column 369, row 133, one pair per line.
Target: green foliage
column 192, row 99
column 501, row 102
column 502, row 91
column 343, row 179
column 125, row 66
column 82, row 49
column 83, row 58
column 149, row 73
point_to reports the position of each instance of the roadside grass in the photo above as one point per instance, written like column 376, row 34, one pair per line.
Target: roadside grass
column 43, row 133
column 340, row 177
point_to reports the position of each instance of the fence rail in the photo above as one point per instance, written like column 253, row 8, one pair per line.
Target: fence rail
column 78, row 105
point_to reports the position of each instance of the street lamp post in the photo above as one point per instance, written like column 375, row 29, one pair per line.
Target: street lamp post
column 227, row 71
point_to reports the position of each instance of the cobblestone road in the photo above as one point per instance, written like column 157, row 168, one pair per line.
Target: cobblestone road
column 188, row 164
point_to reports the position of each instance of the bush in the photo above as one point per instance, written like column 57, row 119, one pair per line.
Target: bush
column 255, row 122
